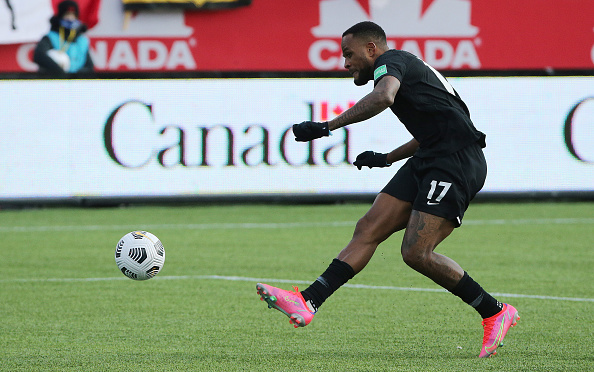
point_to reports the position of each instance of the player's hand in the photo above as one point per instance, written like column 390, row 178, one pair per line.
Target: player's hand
column 310, row 130
column 372, row 160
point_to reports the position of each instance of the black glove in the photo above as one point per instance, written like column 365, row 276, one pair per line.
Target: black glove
column 310, row 130
column 371, row 159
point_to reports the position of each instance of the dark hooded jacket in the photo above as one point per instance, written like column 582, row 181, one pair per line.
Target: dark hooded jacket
column 68, row 37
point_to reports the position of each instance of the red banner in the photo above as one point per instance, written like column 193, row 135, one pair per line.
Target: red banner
column 270, row 35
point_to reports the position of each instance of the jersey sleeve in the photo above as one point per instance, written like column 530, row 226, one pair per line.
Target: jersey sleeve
column 389, row 64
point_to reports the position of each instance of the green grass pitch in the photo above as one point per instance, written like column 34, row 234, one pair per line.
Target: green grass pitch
column 64, row 305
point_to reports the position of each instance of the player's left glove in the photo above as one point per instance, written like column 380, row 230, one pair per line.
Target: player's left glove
column 372, row 160
column 310, row 130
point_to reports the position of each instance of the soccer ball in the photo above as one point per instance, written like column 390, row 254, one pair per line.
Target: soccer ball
column 140, row 255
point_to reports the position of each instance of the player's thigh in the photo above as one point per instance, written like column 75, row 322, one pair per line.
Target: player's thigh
column 424, row 232
column 386, row 216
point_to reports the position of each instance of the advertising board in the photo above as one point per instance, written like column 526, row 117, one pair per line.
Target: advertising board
column 204, row 137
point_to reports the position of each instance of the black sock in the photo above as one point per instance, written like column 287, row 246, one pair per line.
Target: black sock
column 334, row 277
column 474, row 295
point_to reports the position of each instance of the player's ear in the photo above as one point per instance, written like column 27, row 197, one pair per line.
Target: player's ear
column 371, row 48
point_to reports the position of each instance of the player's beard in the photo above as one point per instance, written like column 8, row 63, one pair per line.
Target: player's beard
column 360, row 82
column 363, row 77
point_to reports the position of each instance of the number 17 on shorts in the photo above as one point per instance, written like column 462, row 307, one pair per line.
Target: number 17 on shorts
column 439, row 189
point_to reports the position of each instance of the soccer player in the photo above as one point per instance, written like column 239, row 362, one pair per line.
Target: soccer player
column 429, row 193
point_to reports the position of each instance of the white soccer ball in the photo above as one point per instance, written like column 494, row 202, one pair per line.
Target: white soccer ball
column 140, row 255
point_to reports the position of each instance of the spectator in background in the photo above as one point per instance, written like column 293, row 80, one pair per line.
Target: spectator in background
column 64, row 49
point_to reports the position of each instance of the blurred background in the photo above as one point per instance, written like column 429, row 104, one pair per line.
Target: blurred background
column 117, row 101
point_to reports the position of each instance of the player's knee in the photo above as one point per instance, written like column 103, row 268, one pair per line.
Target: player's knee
column 415, row 258
column 366, row 230
column 362, row 228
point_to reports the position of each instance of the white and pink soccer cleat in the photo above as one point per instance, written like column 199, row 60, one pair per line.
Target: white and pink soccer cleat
column 496, row 328
column 289, row 303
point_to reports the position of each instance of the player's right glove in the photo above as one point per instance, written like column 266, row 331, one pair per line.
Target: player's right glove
column 372, row 160
column 310, row 130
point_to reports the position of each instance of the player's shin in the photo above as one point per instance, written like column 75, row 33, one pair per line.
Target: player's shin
column 337, row 274
column 474, row 295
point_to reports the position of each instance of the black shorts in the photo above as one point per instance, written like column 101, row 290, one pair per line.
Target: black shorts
column 441, row 186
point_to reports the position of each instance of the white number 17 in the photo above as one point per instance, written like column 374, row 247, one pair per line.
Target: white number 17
column 446, row 186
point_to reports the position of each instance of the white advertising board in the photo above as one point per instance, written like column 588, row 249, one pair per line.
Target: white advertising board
column 178, row 137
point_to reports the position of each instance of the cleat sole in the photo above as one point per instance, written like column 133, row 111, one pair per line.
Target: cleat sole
column 270, row 300
column 297, row 320
column 516, row 318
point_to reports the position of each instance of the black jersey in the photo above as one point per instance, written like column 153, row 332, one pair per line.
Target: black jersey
column 427, row 105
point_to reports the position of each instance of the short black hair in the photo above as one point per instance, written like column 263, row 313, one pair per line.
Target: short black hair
column 367, row 29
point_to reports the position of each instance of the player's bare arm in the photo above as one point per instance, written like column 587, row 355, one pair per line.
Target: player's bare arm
column 373, row 159
column 405, row 151
column 372, row 104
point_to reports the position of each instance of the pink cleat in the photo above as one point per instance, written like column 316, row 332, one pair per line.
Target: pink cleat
column 289, row 303
column 496, row 328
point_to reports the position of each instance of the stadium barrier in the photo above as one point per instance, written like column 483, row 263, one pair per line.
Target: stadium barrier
column 102, row 140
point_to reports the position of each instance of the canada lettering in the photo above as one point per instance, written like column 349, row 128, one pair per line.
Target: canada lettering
column 215, row 145
column 570, row 128
column 326, row 54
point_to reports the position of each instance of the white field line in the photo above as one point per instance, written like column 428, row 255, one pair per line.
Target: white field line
column 256, row 280
column 282, row 225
